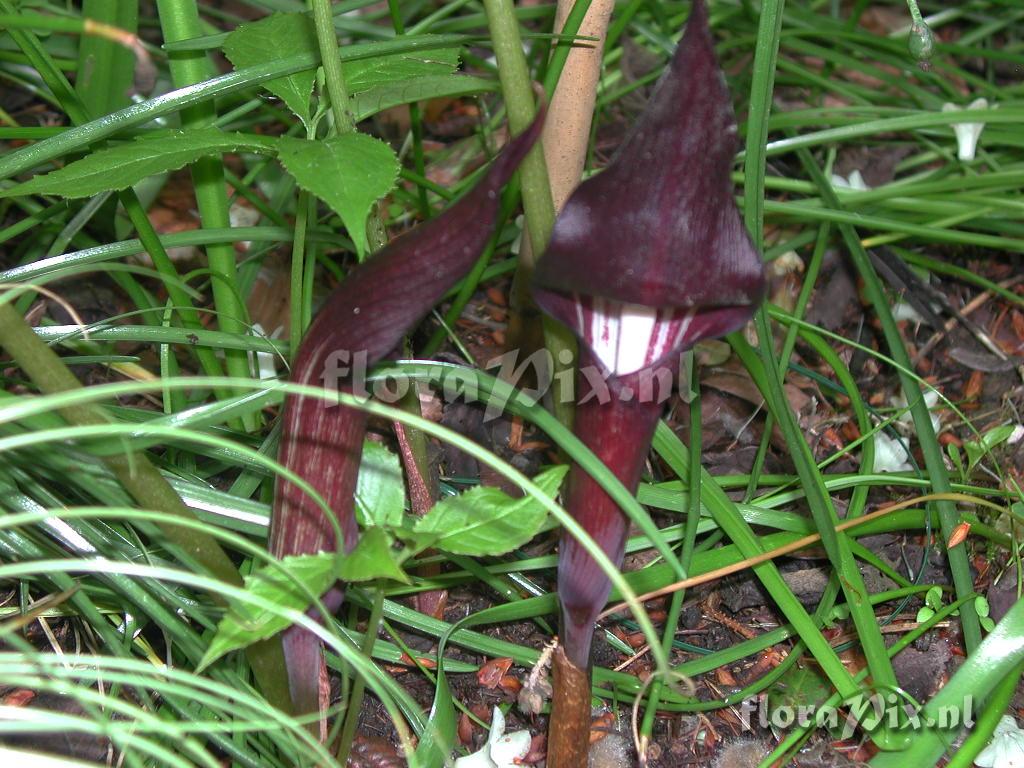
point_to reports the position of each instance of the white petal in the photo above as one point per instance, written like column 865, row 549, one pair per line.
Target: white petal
column 890, row 455
column 481, row 759
column 497, row 726
column 967, row 133
column 854, row 181
column 857, row 181
column 1006, row 750
column 967, row 139
column 510, row 747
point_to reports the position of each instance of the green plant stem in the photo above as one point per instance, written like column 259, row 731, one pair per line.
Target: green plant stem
column 822, row 510
column 327, row 39
column 536, row 188
column 297, row 322
column 415, row 121
column 179, row 20
column 145, row 484
column 105, row 68
column 355, row 701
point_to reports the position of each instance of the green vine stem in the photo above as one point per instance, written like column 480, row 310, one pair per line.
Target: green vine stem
column 145, row 484
column 179, row 20
column 516, row 87
column 327, row 39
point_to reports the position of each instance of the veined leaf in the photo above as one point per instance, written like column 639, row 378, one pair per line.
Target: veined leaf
column 380, row 490
column 348, row 172
column 363, row 74
column 246, row 623
column 373, row 558
column 392, row 94
column 122, row 166
column 275, row 37
column 487, row 521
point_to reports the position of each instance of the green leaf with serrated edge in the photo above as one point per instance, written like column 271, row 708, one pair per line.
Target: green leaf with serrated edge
column 380, row 489
column 246, row 623
column 349, row 173
column 393, row 94
column 276, row 37
column 373, row 558
column 487, row 521
column 122, row 166
column 363, row 74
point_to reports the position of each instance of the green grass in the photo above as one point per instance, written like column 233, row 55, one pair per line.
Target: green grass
column 129, row 576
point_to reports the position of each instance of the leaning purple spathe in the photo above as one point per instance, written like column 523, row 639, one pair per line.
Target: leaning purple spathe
column 366, row 316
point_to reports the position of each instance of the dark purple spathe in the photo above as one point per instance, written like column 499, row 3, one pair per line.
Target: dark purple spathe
column 659, row 228
column 366, row 316
column 648, row 257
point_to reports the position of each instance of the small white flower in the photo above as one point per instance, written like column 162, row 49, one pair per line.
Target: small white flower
column 854, row 181
column 501, row 750
column 1006, row 750
column 905, row 422
column 967, row 133
column 891, row 454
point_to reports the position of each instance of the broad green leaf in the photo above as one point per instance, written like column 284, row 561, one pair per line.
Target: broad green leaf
column 393, row 94
column 348, row 172
column 487, row 521
column 373, row 558
column 127, row 164
column 380, row 489
column 246, row 623
column 976, row 449
column 363, row 74
column 277, row 37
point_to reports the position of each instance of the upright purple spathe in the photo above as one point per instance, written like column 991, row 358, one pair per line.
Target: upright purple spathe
column 647, row 258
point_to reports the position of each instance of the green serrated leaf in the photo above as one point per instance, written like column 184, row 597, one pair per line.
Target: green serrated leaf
column 363, row 74
column 487, row 521
column 276, row 37
column 380, row 489
column 122, row 166
column 373, row 558
column 392, row 94
column 349, row 173
column 246, row 623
